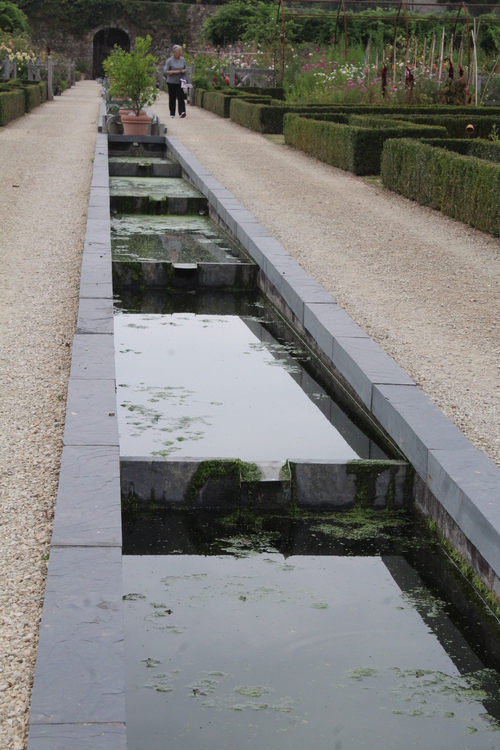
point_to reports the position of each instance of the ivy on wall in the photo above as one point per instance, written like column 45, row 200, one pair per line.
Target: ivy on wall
column 80, row 16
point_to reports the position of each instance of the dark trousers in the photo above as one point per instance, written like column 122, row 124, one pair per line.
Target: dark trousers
column 176, row 94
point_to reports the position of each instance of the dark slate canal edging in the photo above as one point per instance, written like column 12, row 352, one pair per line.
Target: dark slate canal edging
column 78, row 698
column 79, row 689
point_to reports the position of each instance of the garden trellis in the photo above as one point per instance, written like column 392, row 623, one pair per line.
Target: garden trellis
column 340, row 11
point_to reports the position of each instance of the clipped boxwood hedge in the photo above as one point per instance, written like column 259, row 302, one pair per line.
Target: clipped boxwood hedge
column 219, row 102
column 12, row 105
column 357, row 150
column 463, row 187
column 481, row 149
column 454, row 125
column 265, row 118
column 199, row 95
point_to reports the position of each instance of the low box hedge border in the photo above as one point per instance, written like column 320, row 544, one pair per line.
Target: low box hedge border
column 481, row 149
column 12, row 105
column 354, row 149
column 464, row 187
column 455, row 125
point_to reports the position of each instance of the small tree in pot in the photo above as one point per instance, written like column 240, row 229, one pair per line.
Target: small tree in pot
column 132, row 81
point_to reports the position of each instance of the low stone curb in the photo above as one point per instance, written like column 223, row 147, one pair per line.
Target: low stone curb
column 78, row 698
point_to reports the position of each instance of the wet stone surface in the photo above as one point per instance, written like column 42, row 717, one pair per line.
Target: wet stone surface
column 175, row 239
column 255, row 648
column 219, row 386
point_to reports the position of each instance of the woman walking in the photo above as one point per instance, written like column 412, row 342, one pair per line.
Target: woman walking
column 174, row 68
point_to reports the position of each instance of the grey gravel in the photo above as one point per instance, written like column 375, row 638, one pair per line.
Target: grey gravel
column 45, row 173
column 425, row 287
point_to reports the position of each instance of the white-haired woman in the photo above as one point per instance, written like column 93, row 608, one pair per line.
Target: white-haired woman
column 174, row 68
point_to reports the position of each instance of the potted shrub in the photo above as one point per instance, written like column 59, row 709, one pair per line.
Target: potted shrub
column 132, row 81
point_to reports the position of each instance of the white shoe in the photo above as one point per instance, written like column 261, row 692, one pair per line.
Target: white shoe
column 183, row 114
column 172, row 117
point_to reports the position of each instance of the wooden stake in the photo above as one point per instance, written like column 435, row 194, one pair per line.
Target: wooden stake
column 433, row 48
column 415, row 55
column 376, row 62
column 423, row 53
column 441, row 55
column 461, row 51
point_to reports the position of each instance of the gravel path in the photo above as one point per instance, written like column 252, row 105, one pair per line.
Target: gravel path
column 45, row 173
column 425, row 287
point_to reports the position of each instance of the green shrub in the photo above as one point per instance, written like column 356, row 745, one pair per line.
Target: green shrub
column 31, row 91
column 64, row 85
column 455, row 125
column 357, row 150
column 481, row 149
column 199, row 95
column 463, row 187
column 11, row 106
column 274, row 93
column 217, row 102
column 265, row 118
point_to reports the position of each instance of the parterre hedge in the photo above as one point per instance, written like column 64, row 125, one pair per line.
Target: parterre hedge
column 199, row 96
column 455, row 126
column 357, row 150
column 463, row 187
column 12, row 105
column 13, row 92
column 481, row 149
column 265, row 118
column 219, row 102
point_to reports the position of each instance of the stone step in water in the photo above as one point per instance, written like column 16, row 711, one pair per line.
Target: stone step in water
column 155, row 195
column 264, row 487
column 176, row 252
column 143, row 166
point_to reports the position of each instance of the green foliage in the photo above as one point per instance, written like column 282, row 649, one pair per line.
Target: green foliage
column 229, row 23
column 79, row 16
column 453, row 124
column 464, row 187
column 12, row 19
column 264, row 118
column 355, row 149
column 32, row 92
column 11, row 106
column 481, row 149
column 199, row 96
column 131, row 75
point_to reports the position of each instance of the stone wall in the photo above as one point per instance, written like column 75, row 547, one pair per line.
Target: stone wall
column 190, row 18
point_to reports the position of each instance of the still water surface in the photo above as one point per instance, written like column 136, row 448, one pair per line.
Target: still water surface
column 260, row 650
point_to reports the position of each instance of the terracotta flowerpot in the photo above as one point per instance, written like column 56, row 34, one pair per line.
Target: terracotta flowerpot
column 125, row 112
column 136, row 125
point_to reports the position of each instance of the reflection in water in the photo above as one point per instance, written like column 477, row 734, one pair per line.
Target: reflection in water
column 263, row 651
column 206, row 386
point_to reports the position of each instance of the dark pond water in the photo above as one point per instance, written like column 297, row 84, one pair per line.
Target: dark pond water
column 175, row 239
column 210, row 385
column 339, row 631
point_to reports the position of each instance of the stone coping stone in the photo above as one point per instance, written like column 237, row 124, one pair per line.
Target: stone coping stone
column 136, row 139
column 96, row 268
column 95, row 316
column 88, row 508
column 467, row 484
column 415, row 423
column 77, row 737
column 91, row 413
column 468, row 489
column 96, row 291
column 363, row 364
column 93, row 357
column 79, row 675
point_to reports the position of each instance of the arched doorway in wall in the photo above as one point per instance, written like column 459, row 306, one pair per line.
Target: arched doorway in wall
column 104, row 41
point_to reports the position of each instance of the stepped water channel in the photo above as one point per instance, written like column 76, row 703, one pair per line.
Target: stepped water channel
column 279, row 590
